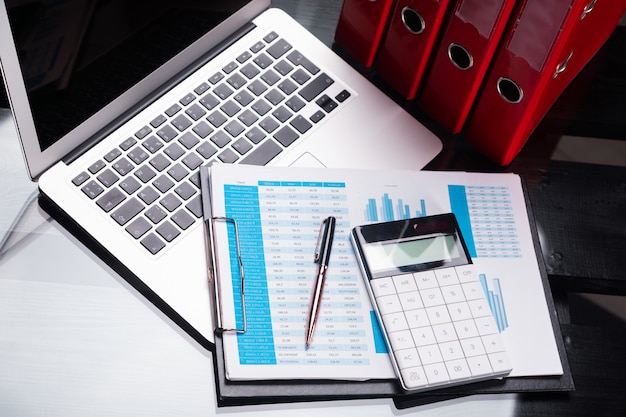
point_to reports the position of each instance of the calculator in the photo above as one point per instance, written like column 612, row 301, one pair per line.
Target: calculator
column 430, row 302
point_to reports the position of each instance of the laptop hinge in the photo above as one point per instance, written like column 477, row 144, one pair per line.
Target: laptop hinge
column 150, row 98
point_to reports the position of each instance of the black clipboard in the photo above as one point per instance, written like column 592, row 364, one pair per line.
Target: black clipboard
column 233, row 393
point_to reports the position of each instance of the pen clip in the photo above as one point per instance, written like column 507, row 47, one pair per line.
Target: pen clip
column 323, row 238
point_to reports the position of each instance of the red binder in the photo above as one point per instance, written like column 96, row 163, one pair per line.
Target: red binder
column 406, row 50
column 548, row 45
column 361, row 27
column 467, row 47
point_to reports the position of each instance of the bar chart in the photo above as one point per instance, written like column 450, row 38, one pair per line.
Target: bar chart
column 387, row 209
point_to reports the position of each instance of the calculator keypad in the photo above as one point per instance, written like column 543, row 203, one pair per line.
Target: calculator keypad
column 440, row 328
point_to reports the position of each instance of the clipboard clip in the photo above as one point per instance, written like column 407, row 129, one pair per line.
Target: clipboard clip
column 214, row 278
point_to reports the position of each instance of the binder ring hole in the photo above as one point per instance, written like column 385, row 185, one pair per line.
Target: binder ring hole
column 413, row 21
column 460, row 57
column 509, row 90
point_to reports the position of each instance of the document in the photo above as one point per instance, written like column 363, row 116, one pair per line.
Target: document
column 278, row 212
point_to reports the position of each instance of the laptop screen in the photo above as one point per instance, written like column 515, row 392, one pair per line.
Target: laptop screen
column 77, row 56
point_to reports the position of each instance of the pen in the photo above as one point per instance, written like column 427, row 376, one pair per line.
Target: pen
column 322, row 256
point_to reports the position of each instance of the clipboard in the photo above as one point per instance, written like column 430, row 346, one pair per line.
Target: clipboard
column 233, row 393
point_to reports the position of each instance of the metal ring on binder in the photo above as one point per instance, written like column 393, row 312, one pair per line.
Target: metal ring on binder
column 219, row 327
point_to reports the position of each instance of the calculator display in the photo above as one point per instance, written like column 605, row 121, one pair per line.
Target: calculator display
column 410, row 245
column 398, row 254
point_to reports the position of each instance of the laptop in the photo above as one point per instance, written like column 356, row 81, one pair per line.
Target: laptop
column 118, row 103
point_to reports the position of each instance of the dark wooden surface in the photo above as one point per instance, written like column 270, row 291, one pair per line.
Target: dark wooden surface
column 579, row 210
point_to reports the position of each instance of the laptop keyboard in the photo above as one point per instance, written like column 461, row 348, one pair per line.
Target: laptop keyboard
column 249, row 112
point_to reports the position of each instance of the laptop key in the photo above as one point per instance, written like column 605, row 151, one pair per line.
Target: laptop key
column 111, row 199
column 80, row 179
column 172, row 110
column 167, row 133
column 158, row 121
column 163, row 183
column 267, row 151
column 153, row 243
column 228, row 156
column 130, row 185
column 188, row 140
column 182, row 219
column 114, row 153
column 96, row 166
column 143, row 132
column 195, row 206
column 174, row 151
column 263, row 61
column 92, row 189
column 170, row 202
column 286, row 136
column 255, row 135
column 127, row 144
column 138, row 227
column 123, row 166
column 279, row 48
column 298, row 59
column 178, row 172
column 301, row 124
column 168, row 231
column 316, row 87
column 148, row 195
column 155, row 214
column 160, row 162
column 127, row 211
column 185, row 190
column 152, row 144
column 108, row 178
column 181, row 122
column 206, row 150
column 270, row 37
column 145, row 173
column 138, row 155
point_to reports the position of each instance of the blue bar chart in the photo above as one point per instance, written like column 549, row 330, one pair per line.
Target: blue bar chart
column 387, row 210
column 496, row 301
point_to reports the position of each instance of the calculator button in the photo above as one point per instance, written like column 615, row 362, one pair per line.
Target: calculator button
column 407, row 358
column 430, row 354
column 493, row 343
column 400, row 340
column 479, row 365
column 438, row 314
column 466, row 273
column 425, row 280
column 473, row 347
column 382, row 286
column 436, row 373
column 444, row 332
column 423, row 336
column 414, row 377
column 499, row 361
column 446, row 276
column 473, row 290
column 466, row 329
column 459, row 311
column 404, row 283
column 486, row 325
column 479, row 308
column 410, row 300
column 432, row 297
column 389, row 304
column 453, row 294
column 417, row 318
column 458, row 369
column 451, row 350
column 395, row 322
